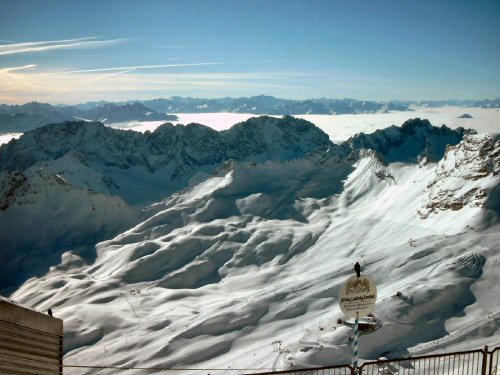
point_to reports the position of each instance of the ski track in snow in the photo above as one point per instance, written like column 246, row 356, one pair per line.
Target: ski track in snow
column 239, row 272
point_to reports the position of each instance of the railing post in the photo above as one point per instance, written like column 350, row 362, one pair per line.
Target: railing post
column 485, row 360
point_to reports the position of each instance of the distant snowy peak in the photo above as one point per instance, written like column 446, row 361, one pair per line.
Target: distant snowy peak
column 486, row 103
column 465, row 176
column 416, row 140
column 270, row 105
column 112, row 113
column 495, row 103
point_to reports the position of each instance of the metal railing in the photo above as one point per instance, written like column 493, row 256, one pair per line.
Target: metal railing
column 494, row 368
column 332, row 370
column 466, row 363
column 473, row 362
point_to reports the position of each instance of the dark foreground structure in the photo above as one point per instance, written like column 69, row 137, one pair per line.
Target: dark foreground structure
column 30, row 342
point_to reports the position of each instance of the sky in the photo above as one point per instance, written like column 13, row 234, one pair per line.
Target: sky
column 76, row 51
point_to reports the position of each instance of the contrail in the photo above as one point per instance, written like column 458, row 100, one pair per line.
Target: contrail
column 139, row 67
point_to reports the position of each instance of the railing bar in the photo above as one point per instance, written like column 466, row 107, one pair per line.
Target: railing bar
column 491, row 362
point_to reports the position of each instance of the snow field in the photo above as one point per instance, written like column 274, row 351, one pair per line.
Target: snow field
column 243, row 269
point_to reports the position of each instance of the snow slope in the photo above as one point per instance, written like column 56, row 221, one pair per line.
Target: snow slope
column 242, row 270
column 80, row 182
column 42, row 214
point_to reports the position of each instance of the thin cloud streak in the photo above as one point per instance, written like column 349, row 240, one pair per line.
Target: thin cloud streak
column 7, row 70
column 138, row 67
column 27, row 44
column 27, row 47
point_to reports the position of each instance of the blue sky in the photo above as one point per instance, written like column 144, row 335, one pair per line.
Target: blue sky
column 75, row 51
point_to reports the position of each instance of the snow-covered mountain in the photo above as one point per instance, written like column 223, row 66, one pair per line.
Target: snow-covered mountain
column 30, row 116
column 145, row 168
column 242, row 267
column 120, row 170
column 270, row 105
column 486, row 103
column 415, row 141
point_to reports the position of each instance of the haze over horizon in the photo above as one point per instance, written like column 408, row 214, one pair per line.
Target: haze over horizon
column 73, row 52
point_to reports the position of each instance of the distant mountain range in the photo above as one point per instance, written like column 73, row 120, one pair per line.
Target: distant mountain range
column 270, row 105
column 486, row 103
column 21, row 118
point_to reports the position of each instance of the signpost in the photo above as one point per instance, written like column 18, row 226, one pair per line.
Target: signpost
column 357, row 298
